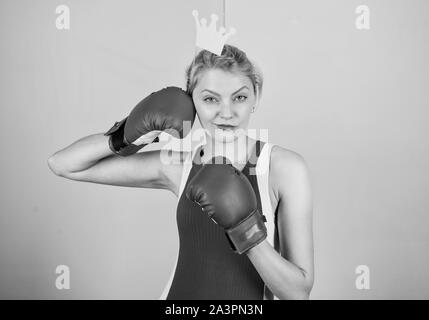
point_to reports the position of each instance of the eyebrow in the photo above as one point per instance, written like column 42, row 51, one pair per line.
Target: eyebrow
column 217, row 94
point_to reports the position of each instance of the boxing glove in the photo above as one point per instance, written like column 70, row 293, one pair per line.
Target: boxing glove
column 227, row 197
column 164, row 110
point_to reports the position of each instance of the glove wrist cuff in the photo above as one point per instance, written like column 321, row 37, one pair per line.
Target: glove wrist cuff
column 248, row 233
column 117, row 142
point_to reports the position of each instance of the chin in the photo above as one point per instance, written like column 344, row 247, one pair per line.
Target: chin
column 225, row 136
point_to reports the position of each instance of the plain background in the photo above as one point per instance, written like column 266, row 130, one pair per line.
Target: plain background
column 352, row 102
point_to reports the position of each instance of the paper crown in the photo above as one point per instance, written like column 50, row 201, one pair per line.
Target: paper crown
column 208, row 37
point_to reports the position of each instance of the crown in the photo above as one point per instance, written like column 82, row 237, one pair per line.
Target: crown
column 208, row 37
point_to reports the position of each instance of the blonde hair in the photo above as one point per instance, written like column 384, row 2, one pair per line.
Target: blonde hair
column 231, row 59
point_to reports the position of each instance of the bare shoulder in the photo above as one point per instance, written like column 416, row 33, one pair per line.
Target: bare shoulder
column 281, row 156
column 172, row 163
column 287, row 168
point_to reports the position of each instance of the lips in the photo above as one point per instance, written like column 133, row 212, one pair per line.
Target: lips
column 225, row 127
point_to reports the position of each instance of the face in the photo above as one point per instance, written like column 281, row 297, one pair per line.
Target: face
column 224, row 102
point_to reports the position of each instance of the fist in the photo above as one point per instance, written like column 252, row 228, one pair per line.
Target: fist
column 227, row 197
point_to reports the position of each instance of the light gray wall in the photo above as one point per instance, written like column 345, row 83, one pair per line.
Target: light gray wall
column 352, row 103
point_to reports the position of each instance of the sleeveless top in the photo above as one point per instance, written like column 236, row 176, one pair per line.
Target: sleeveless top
column 206, row 268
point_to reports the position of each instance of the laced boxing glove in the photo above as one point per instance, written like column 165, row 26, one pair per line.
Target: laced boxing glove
column 227, row 196
column 164, row 110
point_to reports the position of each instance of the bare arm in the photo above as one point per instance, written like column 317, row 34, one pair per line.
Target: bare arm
column 289, row 275
column 90, row 159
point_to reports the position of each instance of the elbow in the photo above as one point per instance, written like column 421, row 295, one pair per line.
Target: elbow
column 299, row 295
column 307, row 285
column 301, row 292
column 54, row 167
column 305, row 295
column 307, row 289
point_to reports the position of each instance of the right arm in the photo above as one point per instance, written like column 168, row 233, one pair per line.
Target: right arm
column 90, row 159
column 112, row 158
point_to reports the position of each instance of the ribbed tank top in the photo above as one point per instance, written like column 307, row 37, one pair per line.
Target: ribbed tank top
column 207, row 267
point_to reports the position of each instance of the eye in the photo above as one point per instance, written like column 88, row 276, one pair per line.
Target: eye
column 209, row 99
column 242, row 98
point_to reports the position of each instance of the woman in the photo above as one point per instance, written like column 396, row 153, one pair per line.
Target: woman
column 225, row 90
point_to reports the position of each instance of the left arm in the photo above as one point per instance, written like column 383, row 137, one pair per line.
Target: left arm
column 290, row 274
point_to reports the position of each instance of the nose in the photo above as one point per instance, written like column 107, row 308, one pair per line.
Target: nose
column 225, row 111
